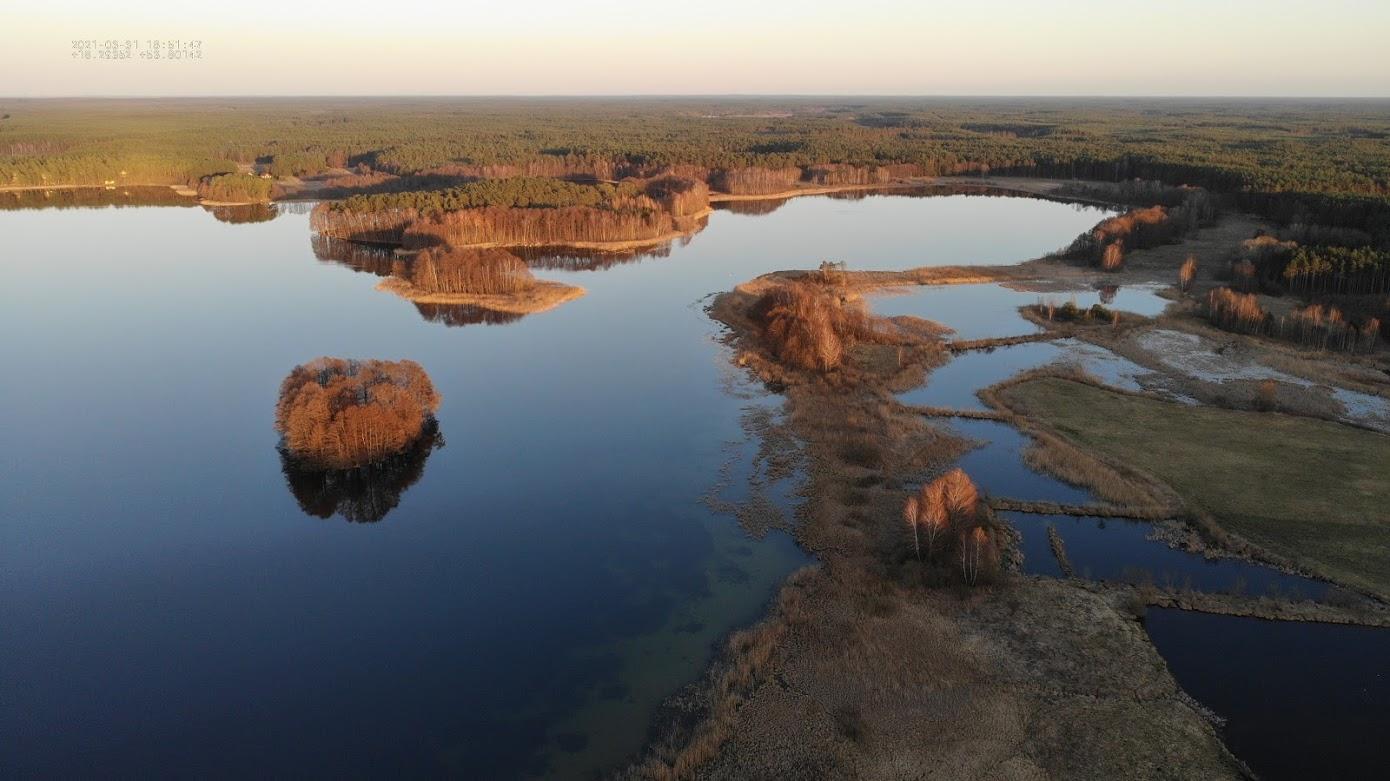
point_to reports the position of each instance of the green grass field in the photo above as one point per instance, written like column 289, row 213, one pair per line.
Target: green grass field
column 1308, row 490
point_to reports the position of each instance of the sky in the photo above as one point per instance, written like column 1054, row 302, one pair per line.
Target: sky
column 1333, row 48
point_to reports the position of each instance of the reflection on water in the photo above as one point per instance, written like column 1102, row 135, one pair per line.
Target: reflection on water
column 373, row 259
column 999, row 469
column 245, row 213
column 363, row 494
column 1301, row 700
column 955, row 384
column 464, row 314
column 381, row 261
column 756, row 208
column 580, row 259
column 94, row 197
column 551, row 577
column 990, row 310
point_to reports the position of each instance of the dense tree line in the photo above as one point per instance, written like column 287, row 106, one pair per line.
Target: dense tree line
column 472, row 271
column 1295, row 161
column 523, row 211
column 1317, row 326
column 344, row 414
column 522, row 192
column 1278, row 265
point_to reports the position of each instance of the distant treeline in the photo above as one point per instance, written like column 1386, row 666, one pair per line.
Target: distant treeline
column 1296, row 161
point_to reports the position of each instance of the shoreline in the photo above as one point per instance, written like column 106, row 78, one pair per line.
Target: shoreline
column 730, row 720
column 178, row 189
column 897, row 184
column 858, row 660
column 541, row 297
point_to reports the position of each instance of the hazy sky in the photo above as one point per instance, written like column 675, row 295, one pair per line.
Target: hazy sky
column 978, row 47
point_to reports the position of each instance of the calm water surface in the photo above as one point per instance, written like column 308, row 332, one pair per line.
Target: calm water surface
column 1302, row 700
column 554, row 572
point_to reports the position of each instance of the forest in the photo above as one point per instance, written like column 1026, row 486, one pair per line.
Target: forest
column 1324, row 162
column 519, row 211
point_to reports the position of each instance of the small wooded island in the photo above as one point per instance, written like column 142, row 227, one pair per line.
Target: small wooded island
column 355, row 434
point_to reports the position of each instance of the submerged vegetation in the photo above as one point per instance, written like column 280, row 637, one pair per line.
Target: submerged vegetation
column 338, row 414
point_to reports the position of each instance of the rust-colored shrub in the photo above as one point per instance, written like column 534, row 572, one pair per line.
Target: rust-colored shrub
column 1236, row 311
column 476, row 271
column 1187, row 272
column 1113, row 257
column 335, row 413
column 807, row 325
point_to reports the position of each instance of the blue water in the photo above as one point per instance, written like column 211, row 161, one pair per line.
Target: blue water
column 553, row 573
column 1302, row 700
column 955, row 384
column 990, row 311
column 1120, row 550
column 997, row 466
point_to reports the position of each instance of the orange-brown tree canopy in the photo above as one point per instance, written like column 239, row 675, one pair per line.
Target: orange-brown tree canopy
column 807, row 325
column 476, row 271
column 336, row 413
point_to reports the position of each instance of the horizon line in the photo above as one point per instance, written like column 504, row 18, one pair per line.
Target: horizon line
column 692, row 95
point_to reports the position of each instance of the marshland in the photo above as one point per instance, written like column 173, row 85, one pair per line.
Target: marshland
column 776, row 464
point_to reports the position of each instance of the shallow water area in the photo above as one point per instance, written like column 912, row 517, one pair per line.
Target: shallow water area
column 990, row 310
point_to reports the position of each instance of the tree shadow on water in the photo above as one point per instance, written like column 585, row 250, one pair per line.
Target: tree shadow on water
column 364, row 494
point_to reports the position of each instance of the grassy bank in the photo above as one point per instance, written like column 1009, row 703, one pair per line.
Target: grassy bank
column 1308, row 491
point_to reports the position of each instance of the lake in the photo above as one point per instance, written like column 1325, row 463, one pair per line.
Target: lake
column 563, row 563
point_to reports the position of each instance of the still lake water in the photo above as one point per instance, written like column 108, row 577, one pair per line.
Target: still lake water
column 1304, row 701
column 555, row 572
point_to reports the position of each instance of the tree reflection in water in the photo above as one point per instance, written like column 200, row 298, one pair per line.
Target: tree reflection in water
column 363, row 494
column 465, row 314
column 245, row 212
